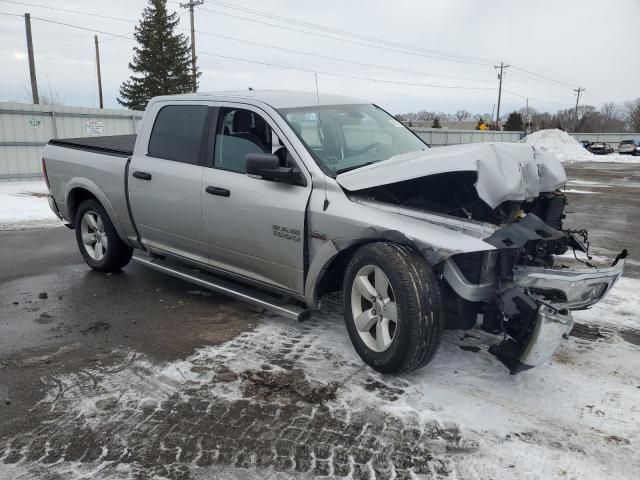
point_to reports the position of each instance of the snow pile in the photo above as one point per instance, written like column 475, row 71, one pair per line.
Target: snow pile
column 561, row 144
column 568, row 150
column 24, row 205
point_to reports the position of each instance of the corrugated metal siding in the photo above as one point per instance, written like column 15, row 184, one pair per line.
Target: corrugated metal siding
column 437, row 137
column 26, row 128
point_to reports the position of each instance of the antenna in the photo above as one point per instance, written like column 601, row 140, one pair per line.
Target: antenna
column 317, row 91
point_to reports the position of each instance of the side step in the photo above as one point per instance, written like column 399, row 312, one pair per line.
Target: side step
column 232, row 289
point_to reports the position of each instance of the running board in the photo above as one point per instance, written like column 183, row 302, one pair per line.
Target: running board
column 225, row 287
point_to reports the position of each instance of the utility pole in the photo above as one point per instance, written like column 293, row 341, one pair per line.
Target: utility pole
column 32, row 63
column 502, row 67
column 98, row 70
column 527, row 121
column 578, row 91
column 190, row 5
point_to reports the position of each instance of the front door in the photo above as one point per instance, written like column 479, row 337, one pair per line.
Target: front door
column 253, row 227
column 165, row 183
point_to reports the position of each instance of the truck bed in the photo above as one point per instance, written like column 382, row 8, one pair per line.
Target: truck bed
column 118, row 145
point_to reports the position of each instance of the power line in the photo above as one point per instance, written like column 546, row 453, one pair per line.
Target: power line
column 436, row 57
column 343, row 75
column 578, row 91
column 346, row 33
column 536, row 99
column 289, row 50
column 482, row 61
column 542, row 77
column 306, row 70
column 502, row 68
column 194, row 74
column 336, row 59
column 66, row 10
column 300, row 52
column 70, row 25
column 258, row 62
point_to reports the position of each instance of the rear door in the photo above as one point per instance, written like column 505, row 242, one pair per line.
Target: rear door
column 253, row 228
column 165, row 181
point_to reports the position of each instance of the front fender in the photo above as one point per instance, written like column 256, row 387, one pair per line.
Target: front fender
column 369, row 224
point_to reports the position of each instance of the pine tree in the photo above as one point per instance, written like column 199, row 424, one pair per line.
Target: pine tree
column 514, row 122
column 436, row 123
column 161, row 61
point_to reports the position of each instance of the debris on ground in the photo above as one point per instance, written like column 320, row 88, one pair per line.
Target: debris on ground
column 290, row 385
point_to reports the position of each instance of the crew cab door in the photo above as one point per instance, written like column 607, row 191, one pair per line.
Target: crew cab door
column 253, row 228
column 165, row 180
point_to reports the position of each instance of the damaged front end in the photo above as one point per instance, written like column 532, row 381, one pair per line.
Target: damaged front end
column 508, row 196
column 524, row 294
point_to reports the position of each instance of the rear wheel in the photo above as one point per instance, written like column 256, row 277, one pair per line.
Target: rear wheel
column 99, row 243
column 392, row 307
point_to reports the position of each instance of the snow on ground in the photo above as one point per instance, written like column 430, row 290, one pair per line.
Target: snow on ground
column 24, row 205
column 568, row 149
column 577, row 417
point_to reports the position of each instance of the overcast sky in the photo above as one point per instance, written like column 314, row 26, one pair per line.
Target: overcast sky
column 588, row 43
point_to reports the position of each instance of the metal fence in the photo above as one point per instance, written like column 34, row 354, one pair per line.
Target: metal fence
column 25, row 129
column 437, row 137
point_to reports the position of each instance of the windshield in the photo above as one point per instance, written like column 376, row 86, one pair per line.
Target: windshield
column 344, row 137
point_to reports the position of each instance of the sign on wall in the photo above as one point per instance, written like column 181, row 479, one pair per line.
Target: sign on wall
column 34, row 123
column 94, row 128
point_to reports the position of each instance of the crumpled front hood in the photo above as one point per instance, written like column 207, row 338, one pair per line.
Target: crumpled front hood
column 506, row 171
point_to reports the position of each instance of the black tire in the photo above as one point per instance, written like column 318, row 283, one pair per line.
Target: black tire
column 117, row 254
column 418, row 301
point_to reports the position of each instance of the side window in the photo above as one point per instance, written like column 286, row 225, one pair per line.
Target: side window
column 177, row 133
column 239, row 133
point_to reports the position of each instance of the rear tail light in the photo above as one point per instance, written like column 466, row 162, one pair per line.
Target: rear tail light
column 44, row 173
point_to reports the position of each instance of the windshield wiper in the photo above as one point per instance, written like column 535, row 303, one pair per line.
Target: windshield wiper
column 353, row 167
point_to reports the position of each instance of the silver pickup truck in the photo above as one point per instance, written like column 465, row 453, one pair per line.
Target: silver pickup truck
column 278, row 198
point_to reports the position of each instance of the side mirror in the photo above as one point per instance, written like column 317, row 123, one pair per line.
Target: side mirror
column 268, row 167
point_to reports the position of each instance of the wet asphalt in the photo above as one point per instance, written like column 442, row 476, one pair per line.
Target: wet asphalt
column 57, row 315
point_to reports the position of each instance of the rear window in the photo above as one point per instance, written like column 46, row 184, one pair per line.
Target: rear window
column 177, row 133
column 630, row 142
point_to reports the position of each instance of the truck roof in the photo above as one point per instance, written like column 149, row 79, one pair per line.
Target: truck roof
column 277, row 99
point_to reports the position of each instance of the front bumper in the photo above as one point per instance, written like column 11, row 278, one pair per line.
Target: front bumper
column 547, row 297
column 575, row 289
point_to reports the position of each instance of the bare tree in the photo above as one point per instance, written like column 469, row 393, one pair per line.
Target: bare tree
column 48, row 95
column 462, row 115
column 633, row 115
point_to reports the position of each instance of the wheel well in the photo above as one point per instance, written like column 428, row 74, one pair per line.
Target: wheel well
column 332, row 278
column 75, row 198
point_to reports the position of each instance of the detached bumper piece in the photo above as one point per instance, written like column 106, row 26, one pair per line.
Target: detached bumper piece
column 537, row 310
column 575, row 289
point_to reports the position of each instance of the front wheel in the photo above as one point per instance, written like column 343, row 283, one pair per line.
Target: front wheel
column 392, row 307
column 99, row 243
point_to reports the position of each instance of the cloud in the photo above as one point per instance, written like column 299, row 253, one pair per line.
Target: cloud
column 556, row 39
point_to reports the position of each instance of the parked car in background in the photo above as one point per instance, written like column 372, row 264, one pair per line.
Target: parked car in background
column 629, row 147
column 600, row 148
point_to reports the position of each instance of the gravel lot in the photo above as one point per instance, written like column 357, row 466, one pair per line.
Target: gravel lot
column 139, row 375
